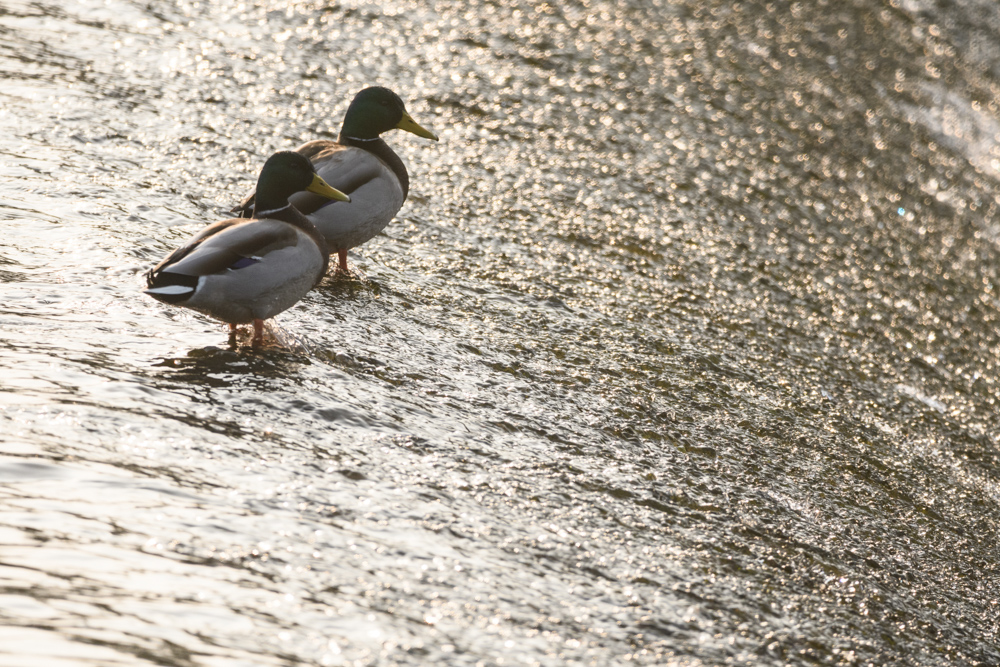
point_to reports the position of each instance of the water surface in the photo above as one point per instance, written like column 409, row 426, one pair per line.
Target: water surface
column 681, row 352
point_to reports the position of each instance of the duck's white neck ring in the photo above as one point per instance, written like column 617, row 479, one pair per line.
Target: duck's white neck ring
column 363, row 140
column 261, row 214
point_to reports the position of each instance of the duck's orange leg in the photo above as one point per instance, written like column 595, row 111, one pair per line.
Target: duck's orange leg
column 258, row 333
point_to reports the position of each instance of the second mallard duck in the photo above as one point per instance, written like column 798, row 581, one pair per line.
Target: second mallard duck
column 361, row 164
column 241, row 271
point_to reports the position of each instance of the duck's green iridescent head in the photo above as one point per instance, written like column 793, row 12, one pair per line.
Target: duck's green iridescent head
column 376, row 110
column 286, row 173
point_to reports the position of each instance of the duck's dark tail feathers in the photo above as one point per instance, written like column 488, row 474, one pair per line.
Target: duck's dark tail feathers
column 245, row 208
column 170, row 287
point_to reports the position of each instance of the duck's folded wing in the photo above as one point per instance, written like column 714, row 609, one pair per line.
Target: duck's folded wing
column 346, row 168
column 192, row 244
column 228, row 245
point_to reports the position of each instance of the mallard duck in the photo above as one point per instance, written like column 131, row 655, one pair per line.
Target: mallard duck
column 362, row 165
column 249, row 270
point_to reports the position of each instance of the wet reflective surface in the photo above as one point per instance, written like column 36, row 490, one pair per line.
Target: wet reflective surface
column 682, row 351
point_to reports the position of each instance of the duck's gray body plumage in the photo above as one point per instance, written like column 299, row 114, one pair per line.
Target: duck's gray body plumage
column 241, row 270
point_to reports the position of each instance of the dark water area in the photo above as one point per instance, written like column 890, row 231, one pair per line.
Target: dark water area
column 682, row 351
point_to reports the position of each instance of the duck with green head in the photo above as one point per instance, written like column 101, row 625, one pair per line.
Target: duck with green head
column 361, row 164
column 249, row 270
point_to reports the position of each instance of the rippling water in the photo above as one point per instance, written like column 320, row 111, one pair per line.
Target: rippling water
column 683, row 350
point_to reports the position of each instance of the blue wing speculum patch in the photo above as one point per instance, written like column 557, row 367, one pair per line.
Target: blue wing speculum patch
column 243, row 262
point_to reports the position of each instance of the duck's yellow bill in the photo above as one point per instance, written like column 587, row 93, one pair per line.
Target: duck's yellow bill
column 410, row 125
column 320, row 187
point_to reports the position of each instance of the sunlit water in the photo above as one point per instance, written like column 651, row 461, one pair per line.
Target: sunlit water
column 681, row 352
